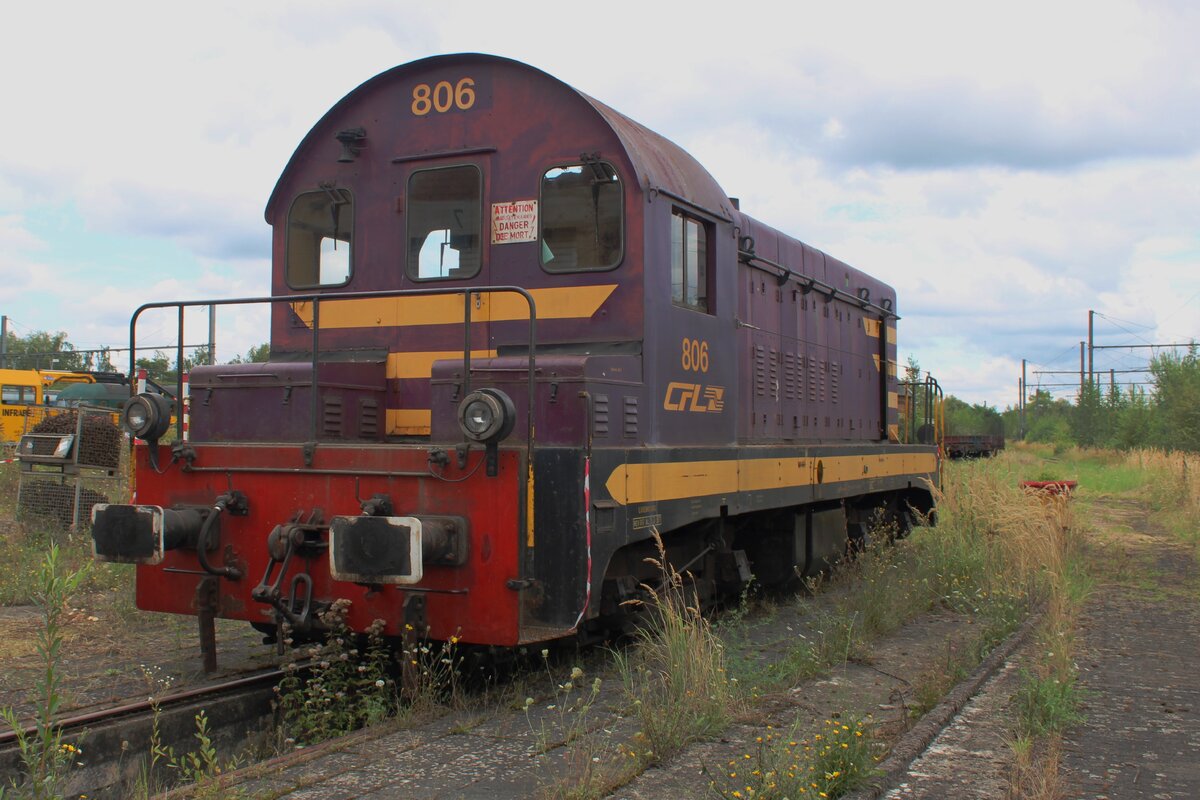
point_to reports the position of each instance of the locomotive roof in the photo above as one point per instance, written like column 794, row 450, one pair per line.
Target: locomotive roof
column 659, row 163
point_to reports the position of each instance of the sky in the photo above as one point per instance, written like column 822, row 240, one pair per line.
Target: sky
column 1006, row 167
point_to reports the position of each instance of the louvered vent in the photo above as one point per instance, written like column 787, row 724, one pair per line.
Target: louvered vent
column 824, row 372
column 773, row 363
column 368, row 418
column 834, row 371
column 760, row 371
column 790, row 391
column 812, row 379
column 600, row 415
column 331, row 422
column 631, row 417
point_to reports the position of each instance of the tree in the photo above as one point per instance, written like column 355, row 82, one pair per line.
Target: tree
column 100, row 361
column 1177, row 399
column 161, row 367
column 42, row 350
column 259, row 354
column 1135, row 423
column 1047, row 419
column 1088, row 427
column 971, row 420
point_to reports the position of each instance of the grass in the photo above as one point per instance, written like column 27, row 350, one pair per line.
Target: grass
column 24, row 548
column 1048, row 699
column 1047, row 704
column 989, row 559
column 676, row 690
column 787, row 764
column 933, row 683
column 45, row 757
column 995, row 554
column 1035, row 774
column 1168, row 481
column 24, row 544
column 1173, row 490
column 567, row 722
column 675, row 675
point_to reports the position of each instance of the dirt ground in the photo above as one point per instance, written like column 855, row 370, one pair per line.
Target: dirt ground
column 504, row 752
column 114, row 653
column 1139, row 664
column 1138, row 657
column 880, row 685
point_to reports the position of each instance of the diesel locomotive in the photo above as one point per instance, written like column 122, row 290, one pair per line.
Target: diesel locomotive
column 513, row 335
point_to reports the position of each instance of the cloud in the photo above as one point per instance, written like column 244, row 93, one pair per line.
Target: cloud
column 924, row 85
column 21, row 270
column 1005, row 167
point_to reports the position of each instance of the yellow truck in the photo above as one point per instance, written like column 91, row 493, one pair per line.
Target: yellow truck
column 26, row 394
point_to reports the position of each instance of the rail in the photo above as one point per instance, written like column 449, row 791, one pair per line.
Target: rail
column 70, row 725
column 468, row 292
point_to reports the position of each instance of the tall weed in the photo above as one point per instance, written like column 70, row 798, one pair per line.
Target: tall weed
column 675, row 675
column 1173, row 479
column 45, row 757
column 347, row 687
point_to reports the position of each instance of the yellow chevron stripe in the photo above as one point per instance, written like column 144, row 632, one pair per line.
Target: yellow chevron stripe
column 648, row 483
column 560, row 302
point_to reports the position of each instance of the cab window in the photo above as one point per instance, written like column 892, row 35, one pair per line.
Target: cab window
column 18, row 395
column 445, row 229
column 320, row 228
column 689, row 262
column 582, row 217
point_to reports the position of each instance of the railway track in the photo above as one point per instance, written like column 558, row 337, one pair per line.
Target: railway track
column 115, row 742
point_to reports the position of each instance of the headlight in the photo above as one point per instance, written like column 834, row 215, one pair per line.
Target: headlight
column 147, row 416
column 486, row 415
column 135, row 417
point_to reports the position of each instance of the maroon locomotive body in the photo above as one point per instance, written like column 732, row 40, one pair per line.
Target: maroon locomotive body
column 514, row 333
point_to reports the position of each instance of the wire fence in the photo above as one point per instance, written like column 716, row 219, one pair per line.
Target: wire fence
column 72, row 459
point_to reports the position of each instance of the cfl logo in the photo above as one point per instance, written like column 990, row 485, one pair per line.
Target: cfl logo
column 694, row 397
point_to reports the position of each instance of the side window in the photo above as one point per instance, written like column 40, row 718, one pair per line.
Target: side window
column 582, row 210
column 320, row 225
column 18, row 395
column 445, row 228
column 689, row 262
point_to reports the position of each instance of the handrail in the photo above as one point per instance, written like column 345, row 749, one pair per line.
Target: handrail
column 809, row 283
column 932, row 410
column 316, row 299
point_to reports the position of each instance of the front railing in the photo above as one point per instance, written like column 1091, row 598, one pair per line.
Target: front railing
column 316, row 300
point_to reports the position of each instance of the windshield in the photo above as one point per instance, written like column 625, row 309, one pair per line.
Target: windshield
column 444, row 223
